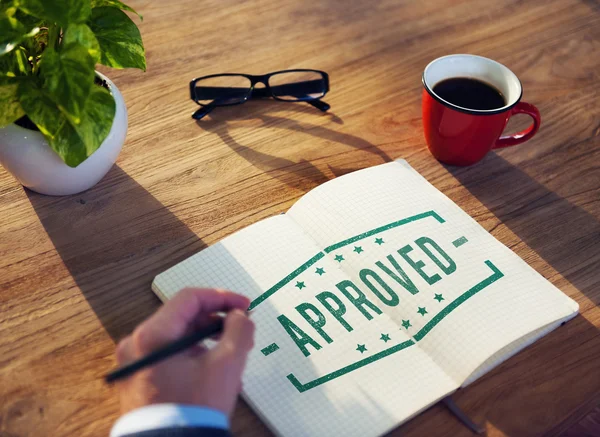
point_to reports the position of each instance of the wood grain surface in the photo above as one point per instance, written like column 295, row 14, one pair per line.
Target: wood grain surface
column 75, row 272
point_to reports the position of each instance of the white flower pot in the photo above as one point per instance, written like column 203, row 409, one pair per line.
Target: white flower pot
column 26, row 154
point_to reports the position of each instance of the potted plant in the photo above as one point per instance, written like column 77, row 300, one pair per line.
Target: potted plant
column 62, row 124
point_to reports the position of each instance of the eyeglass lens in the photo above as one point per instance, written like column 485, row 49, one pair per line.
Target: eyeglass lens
column 298, row 85
column 289, row 86
column 222, row 90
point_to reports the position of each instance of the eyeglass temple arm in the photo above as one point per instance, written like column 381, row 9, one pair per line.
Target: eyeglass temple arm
column 302, row 90
column 203, row 112
column 319, row 104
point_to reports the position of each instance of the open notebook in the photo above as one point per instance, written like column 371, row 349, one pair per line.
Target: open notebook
column 374, row 297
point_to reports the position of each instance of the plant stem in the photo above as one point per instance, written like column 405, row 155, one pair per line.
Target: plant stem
column 53, row 35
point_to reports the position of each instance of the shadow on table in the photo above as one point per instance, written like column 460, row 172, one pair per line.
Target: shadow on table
column 552, row 381
column 114, row 239
column 565, row 235
column 300, row 174
column 568, row 238
column 593, row 4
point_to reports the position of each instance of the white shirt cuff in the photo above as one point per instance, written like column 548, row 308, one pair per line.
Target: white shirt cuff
column 168, row 416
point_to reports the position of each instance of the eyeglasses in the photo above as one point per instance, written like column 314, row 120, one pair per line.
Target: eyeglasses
column 233, row 89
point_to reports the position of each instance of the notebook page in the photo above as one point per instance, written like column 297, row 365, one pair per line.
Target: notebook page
column 431, row 268
column 510, row 350
column 335, row 376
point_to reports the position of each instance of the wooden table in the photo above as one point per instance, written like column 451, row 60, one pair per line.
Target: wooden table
column 76, row 271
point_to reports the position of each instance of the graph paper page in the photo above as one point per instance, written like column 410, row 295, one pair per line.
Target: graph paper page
column 459, row 293
column 324, row 363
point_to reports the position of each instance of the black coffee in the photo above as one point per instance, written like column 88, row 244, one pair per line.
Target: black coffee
column 470, row 93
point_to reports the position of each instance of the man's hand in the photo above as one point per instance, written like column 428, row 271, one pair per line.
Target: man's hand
column 198, row 376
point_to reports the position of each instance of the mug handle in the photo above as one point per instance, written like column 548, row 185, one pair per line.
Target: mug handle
column 524, row 135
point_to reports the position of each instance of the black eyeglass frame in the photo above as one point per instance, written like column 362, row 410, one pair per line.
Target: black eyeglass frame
column 260, row 92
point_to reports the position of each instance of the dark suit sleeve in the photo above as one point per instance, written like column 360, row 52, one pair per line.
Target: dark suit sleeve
column 182, row 432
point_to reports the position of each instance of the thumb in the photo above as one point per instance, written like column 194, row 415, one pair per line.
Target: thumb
column 238, row 335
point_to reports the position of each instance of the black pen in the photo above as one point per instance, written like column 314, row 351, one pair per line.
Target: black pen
column 165, row 352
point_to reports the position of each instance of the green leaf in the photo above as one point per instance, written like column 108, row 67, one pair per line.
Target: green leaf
column 8, row 6
column 115, row 4
column 12, row 32
column 73, row 143
column 69, row 76
column 29, row 21
column 83, row 35
column 63, row 12
column 97, row 119
column 11, row 108
column 119, row 38
column 14, row 64
column 41, row 109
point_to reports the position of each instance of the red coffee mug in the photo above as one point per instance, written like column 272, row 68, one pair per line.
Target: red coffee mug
column 462, row 136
